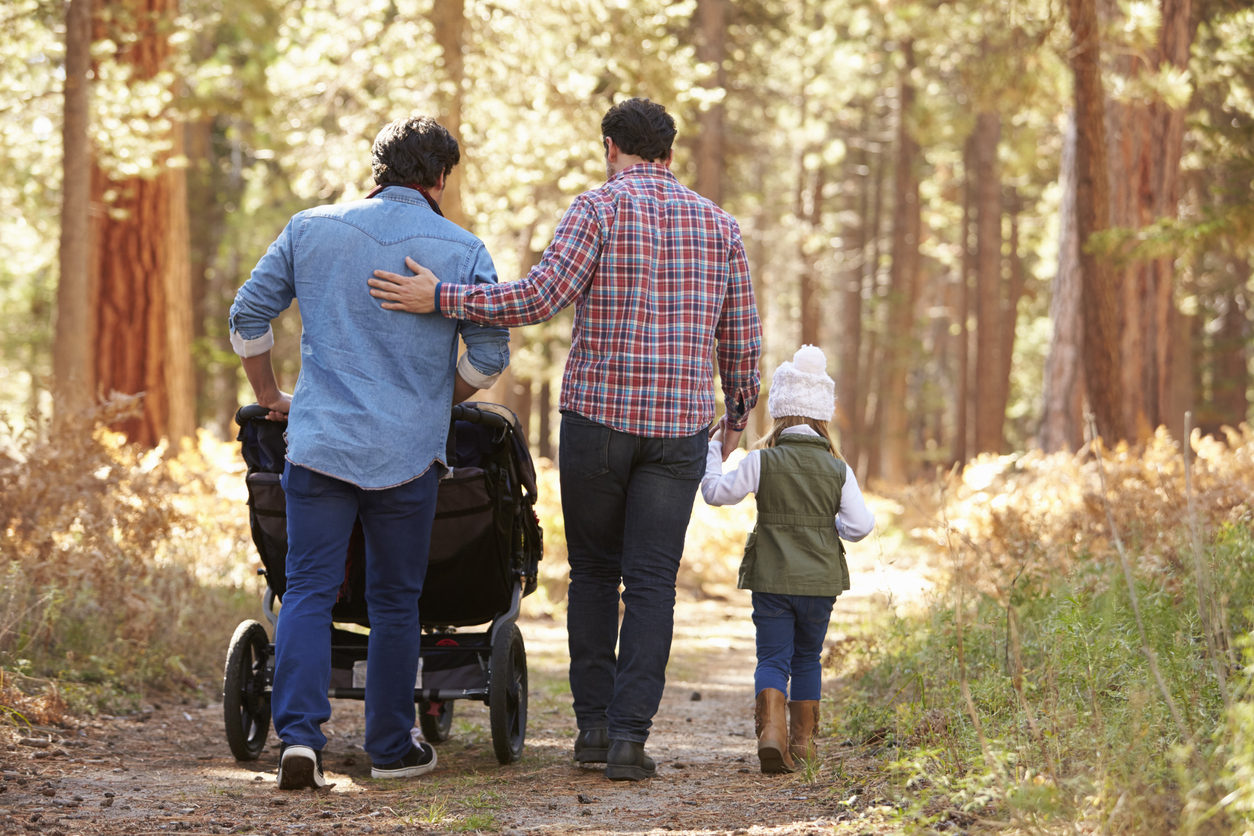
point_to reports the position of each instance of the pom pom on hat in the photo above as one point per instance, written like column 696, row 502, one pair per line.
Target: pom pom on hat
column 802, row 388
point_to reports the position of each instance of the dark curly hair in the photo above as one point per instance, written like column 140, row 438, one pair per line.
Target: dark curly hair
column 641, row 128
column 413, row 150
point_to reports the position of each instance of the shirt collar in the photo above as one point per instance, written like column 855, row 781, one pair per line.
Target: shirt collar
column 644, row 169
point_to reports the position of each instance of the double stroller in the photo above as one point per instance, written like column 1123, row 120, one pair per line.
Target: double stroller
column 486, row 545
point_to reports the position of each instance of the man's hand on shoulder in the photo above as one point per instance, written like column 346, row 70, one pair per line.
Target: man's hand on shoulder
column 413, row 294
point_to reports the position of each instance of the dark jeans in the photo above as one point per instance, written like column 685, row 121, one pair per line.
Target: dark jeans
column 626, row 502
column 397, row 527
column 790, row 633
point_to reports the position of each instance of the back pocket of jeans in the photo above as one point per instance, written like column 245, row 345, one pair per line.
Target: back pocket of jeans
column 584, row 447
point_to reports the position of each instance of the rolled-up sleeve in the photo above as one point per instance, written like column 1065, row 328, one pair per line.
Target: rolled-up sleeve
column 268, row 292
column 739, row 335
column 487, row 346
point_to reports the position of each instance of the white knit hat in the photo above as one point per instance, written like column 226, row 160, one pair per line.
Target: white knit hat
column 802, row 388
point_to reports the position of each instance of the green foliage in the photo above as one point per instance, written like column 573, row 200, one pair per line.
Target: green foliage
column 1029, row 692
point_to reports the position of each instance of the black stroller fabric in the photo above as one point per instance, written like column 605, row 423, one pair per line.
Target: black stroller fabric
column 485, row 533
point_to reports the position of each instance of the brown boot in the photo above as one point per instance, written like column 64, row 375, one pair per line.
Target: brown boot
column 803, row 716
column 771, row 727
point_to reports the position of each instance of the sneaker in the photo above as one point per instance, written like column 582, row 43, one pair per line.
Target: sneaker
column 300, row 767
column 592, row 745
column 626, row 761
column 419, row 760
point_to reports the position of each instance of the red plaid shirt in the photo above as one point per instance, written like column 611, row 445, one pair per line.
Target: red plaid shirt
column 658, row 274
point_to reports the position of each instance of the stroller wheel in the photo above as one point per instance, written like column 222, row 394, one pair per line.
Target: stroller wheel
column 507, row 694
column 245, row 691
column 436, row 720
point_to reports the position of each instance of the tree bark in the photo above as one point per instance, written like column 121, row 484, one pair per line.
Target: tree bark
column 73, row 381
column 140, row 234
column 711, row 139
column 1229, row 402
column 988, row 283
column 1099, row 292
column 1009, row 304
column 962, row 314
column 811, row 292
column 1062, row 426
column 448, row 17
column 849, row 372
column 903, row 281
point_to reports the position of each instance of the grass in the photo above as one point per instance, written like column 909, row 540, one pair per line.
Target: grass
column 1051, row 688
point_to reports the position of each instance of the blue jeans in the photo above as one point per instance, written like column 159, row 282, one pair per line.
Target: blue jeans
column 397, row 527
column 790, row 633
column 626, row 501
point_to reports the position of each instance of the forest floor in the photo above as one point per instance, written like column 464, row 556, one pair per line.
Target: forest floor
column 168, row 769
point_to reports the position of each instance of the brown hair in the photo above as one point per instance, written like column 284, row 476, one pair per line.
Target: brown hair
column 785, row 421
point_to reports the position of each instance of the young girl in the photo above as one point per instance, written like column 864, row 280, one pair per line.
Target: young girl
column 794, row 563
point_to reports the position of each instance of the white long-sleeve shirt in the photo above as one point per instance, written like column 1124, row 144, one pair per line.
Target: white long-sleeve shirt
column 853, row 521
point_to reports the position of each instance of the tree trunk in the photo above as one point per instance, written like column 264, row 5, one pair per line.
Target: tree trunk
column 962, row 314
column 140, row 234
column 1009, row 304
column 903, row 281
column 1176, row 37
column 1146, row 144
column 1229, row 361
column 712, row 50
column 868, row 459
column 448, row 18
column 1099, row 293
column 1062, row 426
column 849, row 369
column 545, row 448
column 811, row 293
column 73, row 379
column 988, row 284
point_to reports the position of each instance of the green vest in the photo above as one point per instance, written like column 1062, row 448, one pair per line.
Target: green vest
column 794, row 548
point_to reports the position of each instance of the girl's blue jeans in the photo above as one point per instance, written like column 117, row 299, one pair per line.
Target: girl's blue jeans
column 397, row 527
column 790, row 633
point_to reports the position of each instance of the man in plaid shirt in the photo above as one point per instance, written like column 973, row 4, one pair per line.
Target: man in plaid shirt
column 659, row 280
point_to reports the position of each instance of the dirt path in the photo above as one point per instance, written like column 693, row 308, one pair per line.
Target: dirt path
column 168, row 770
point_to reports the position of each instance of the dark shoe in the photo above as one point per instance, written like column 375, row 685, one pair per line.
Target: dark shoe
column 300, row 767
column 419, row 760
column 626, row 761
column 592, row 746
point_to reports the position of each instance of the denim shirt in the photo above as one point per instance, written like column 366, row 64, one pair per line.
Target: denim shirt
column 371, row 405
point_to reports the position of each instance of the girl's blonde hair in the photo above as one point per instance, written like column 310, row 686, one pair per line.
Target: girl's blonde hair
column 785, row 421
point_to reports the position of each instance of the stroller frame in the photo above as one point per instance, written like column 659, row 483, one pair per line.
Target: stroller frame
column 492, row 496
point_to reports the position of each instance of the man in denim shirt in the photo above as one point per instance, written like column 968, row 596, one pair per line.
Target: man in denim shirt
column 366, row 434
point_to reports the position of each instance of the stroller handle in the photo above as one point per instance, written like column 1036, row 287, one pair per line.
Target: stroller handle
column 470, row 411
column 474, row 413
column 252, row 412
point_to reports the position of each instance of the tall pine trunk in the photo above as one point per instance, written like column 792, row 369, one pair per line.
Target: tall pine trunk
column 903, row 287
column 140, row 258
column 448, row 17
column 1099, row 290
column 989, row 416
column 73, row 380
column 1062, row 417
column 711, row 50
